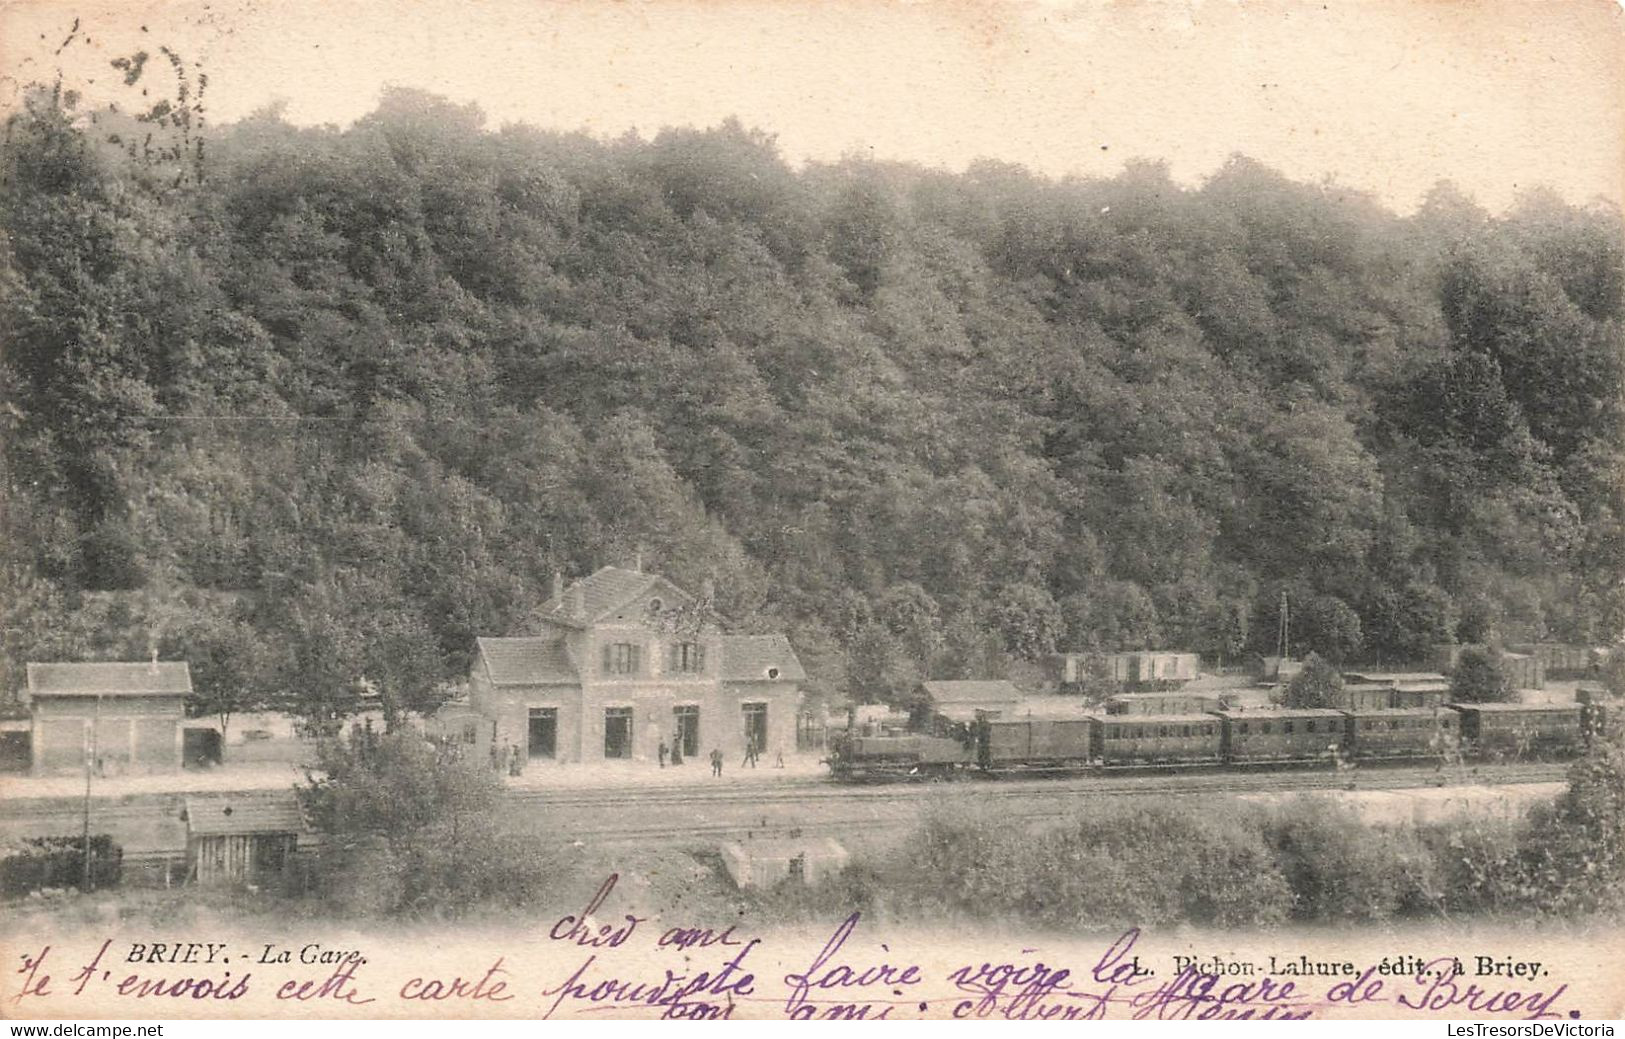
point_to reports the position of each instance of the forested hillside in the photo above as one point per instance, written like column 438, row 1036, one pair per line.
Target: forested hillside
column 312, row 404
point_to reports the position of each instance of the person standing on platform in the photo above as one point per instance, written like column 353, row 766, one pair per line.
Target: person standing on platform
column 663, row 751
column 716, row 763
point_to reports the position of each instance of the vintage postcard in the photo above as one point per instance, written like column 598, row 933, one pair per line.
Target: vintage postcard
column 778, row 510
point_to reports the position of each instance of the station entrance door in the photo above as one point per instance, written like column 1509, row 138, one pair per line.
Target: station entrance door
column 617, row 732
column 755, row 715
column 688, row 729
column 544, row 732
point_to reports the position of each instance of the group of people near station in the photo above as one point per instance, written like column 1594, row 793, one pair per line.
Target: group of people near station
column 673, row 753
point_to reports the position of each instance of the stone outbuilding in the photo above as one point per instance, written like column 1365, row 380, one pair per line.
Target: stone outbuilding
column 114, row 717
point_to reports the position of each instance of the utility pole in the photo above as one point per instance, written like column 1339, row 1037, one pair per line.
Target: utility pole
column 1284, row 641
column 90, row 757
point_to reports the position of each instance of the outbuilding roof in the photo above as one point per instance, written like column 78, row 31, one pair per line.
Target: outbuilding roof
column 111, row 678
column 239, row 814
column 527, row 661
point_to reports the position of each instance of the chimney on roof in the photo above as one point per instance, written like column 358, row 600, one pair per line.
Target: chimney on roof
column 637, row 561
column 578, row 601
column 558, row 587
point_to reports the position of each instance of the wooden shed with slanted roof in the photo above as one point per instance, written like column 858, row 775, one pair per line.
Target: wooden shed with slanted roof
column 243, row 838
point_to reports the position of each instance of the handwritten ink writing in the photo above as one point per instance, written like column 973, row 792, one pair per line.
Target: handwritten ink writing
column 1116, row 966
column 696, row 938
column 1441, row 991
column 88, row 971
column 824, row 975
column 34, row 983
column 338, row 986
column 676, row 995
column 489, row 987
column 1191, row 995
column 195, row 988
column 578, row 928
column 1364, row 989
column 1015, row 992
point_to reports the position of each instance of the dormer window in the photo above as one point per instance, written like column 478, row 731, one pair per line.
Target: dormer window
column 687, row 656
column 623, row 658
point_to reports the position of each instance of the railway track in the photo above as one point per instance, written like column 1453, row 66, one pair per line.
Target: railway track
column 150, row 823
column 1211, row 781
column 705, row 816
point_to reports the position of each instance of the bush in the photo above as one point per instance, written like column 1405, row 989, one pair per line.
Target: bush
column 1341, row 869
column 1479, row 678
column 1481, row 867
column 37, row 863
column 1576, row 848
column 412, row 828
column 1318, row 684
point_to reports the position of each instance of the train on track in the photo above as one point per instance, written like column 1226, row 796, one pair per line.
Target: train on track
column 1227, row 738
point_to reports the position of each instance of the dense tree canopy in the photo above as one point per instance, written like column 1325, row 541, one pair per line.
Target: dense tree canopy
column 345, row 399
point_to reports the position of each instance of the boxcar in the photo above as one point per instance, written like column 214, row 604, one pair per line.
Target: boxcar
column 1035, row 743
column 1284, row 734
column 1157, row 739
column 1520, row 729
column 1400, row 734
column 912, row 755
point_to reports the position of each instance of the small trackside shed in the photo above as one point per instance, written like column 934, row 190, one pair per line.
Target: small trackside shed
column 965, row 701
column 114, row 717
column 765, row 864
column 243, row 839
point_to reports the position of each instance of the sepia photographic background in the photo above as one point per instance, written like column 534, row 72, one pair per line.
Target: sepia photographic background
column 1381, row 98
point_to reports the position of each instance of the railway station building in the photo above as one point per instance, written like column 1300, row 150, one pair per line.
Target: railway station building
column 619, row 664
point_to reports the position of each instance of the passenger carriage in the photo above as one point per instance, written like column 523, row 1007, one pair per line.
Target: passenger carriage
column 1281, row 735
column 1521, row 730
column 1157, row 739
column 1397, row 735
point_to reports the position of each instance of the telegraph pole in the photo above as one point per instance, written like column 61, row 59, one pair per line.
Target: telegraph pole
column 1284, row 645
column 90, row 755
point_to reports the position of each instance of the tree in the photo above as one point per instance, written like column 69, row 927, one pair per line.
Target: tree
column 1317, row 685
column 232, row 668
column 1480, row 678
column 1028, row 619
column 411, row 826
